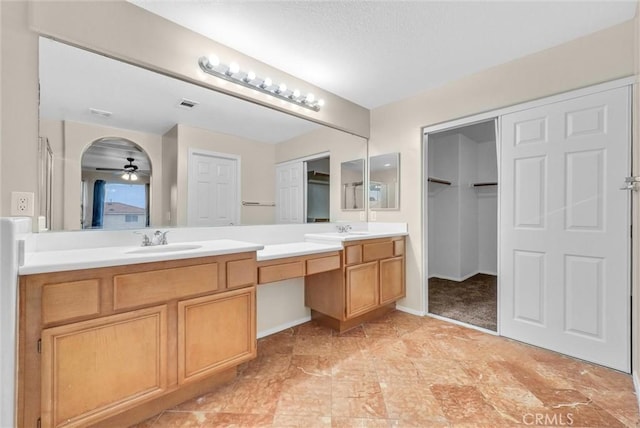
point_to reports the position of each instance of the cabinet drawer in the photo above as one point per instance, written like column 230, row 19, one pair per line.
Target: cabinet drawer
column 377, row 251
column 67, row 300
column 280, row 272
column 241, row 273
column 398, row 247
column 143, row 288
column 353, row 254
column 323, row 264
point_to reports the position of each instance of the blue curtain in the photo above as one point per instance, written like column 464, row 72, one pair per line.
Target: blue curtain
column 98, row 203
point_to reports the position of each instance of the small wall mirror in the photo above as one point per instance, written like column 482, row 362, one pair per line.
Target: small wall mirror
column 384, row 182
column 352, row 185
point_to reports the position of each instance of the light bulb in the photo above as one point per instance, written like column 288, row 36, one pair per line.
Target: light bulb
column 321, row 102
column 281, row 88
column 310, row 98
column 267, row 82
column 213, row 61
column 250, row 77
column 125, row 176
column 134, row 177
column 233, row 69
column 295, row 94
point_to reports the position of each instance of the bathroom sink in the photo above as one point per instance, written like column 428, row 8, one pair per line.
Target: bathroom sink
column 169, row 248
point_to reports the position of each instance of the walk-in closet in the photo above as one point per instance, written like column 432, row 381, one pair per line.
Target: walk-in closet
column 462, row 224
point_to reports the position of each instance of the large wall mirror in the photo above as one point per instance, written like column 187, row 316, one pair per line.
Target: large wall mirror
column 105, row 118
column 384, row 182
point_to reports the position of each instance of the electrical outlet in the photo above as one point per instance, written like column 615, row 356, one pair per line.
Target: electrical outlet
column 372, row 216
column 363, row 216
column 22, row 204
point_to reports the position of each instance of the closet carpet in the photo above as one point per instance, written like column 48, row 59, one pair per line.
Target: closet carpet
column 409, row 371
column 473, row 301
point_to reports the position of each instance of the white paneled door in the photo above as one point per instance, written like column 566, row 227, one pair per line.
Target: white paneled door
column 290, row 192
column 212, row 190
column 564, row 222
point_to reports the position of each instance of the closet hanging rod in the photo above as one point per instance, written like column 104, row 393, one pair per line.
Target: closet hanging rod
column 491, row 183
column 258, row 204
column 439, row 181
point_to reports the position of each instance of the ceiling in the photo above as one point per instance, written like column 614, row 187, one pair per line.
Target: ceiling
column 377, row 52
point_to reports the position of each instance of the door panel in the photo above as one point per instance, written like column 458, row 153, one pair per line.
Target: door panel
column 213, row 193
column 290, row 193
column 564, row 257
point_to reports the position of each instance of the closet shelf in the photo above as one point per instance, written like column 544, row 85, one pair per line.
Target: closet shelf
column 490, row 183
column 438, row 181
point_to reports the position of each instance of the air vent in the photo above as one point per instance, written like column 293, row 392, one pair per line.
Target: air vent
column 185, row 103
column 99, row 112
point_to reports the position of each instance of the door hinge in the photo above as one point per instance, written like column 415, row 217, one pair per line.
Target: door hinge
column 38, row 423
column 39, row 346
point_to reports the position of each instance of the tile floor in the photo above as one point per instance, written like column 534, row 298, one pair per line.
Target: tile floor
column 409, row 371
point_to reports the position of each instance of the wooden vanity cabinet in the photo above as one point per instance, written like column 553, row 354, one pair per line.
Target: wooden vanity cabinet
column 368, row 285
column 113, row 346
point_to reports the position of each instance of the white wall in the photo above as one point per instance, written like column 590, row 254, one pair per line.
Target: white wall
column 487, row 198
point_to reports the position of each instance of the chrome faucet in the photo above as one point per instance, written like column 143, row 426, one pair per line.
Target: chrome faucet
column 158, row 238
column 343, row 229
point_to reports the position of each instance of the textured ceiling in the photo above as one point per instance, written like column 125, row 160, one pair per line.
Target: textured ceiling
column 377, row 52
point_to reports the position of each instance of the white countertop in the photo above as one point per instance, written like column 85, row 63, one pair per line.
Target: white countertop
column 355, row 235
column 292, row 249
column 87, row 258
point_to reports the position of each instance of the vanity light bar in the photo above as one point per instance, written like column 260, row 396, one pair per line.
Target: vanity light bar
column 232, row 73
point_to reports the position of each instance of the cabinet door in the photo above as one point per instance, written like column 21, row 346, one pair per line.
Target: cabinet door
column 362, row 288
column 96, row 368
column 392, row 285
column 215, row 333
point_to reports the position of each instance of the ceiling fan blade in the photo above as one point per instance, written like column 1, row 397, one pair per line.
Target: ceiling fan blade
column 109, row 169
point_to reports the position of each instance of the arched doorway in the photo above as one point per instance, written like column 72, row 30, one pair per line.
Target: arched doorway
column 116, row 176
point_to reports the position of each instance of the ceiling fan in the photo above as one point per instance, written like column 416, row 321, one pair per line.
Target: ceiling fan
column 129, row 171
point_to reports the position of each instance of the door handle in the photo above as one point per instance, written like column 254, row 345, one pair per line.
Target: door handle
column 631, row 183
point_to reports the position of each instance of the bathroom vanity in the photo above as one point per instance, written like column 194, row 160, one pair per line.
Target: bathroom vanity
column 111, row 345
column 109, row 335
column 370, row 281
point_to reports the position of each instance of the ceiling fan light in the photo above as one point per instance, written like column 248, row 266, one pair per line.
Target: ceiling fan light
column 133, row 176
column 125, row 176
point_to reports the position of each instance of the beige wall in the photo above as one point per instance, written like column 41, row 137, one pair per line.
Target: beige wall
column 257, row 173
column 77, row 138
column 602, row 56
column 341, row 146
column 19, row 130
column 170, row 177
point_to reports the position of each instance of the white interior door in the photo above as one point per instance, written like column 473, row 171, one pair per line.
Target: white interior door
column 212, row 190
column 290, row 203
column 564, row 224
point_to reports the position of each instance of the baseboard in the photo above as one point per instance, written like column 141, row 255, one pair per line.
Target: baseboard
column 409, row 310
column 451, row 278
column 489, row 273
column 464, row 278
column 284, row 326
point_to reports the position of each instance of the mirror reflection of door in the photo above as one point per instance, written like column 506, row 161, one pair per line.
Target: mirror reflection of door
column 116, row 174
column 213, row 189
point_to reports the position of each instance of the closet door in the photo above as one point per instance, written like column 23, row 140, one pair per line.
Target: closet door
column 564, row 224
column 290, row 193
